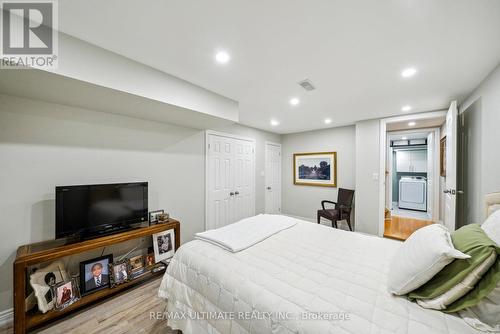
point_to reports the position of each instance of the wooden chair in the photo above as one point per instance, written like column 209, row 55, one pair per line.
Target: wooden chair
column 342, row 209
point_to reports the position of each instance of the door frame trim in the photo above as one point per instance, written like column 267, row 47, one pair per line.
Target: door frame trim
column 228, row 135
column 382, row 157
column 265, row 175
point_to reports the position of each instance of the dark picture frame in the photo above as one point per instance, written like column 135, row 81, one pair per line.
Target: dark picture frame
column 321, row 173
column 153, row 216
column 119, row 272
column 88, row 272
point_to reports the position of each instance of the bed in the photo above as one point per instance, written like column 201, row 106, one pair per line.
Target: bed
column 308, row 278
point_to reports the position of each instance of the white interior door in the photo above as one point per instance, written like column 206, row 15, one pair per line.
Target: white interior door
column 244, row 194
column 430, row 174
column 220, row 170
column 230, row 179
column 273, row 178
column 451, row 167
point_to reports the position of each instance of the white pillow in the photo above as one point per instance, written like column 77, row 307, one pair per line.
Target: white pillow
column 421, row 256
column 485, row 316
column 461, row 289
column 492, row 226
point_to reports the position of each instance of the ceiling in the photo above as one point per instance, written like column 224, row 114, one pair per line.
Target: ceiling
column 426, row 123
column 352, row 50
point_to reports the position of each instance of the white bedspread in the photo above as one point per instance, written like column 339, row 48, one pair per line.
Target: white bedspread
column 305, row 271
column 247, row 232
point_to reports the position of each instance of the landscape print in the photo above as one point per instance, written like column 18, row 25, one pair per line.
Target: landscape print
column 315, row 169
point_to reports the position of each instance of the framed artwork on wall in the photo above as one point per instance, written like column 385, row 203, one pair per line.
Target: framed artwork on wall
column 315, row 169
column 442, row 157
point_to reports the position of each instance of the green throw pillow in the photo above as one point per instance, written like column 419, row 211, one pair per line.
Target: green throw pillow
column 471, row 240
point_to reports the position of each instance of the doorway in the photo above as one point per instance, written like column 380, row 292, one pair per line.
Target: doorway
column 411, row 175
column 273, row 178
column 410, row 191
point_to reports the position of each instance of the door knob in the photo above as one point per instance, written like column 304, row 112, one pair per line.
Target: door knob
column 231, row 194
column 236, row 192
column 446, row 191
column 268, row 188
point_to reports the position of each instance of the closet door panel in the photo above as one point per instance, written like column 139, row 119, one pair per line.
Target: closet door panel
column 220, row 181
column 244, row 179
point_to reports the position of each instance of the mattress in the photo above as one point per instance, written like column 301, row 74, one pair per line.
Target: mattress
column 306, row 279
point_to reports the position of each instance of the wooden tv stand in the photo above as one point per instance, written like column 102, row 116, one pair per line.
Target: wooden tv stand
column 32, row 254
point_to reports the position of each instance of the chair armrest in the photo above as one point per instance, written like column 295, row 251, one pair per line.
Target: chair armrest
column 323, row 203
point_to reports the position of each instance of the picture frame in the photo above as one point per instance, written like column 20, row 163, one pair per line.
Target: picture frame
column 64, row 293
column 315, row 169
column 94, row 274
column 119, row 272
column 136, row 265
column 164, row 245
column 153, row 216
column 442, row 157
column 150, row 260
column 43, row 280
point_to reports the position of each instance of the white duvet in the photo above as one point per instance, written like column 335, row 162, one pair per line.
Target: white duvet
column 308, row 278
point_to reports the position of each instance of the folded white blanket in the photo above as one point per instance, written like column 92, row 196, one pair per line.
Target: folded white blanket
column 247, row 232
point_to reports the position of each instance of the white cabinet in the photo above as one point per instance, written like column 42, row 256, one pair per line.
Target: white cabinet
column 411, row 161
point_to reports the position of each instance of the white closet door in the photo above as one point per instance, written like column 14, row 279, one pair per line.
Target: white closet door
column 244, row 179
column 230, row 193
column 273, row 178
column 220, row 176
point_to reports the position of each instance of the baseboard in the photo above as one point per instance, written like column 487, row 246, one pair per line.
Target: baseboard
column 343, row 224
column 301, row 218
column 6, row 317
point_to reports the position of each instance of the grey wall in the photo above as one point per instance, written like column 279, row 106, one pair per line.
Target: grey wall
column 486, row 170
column 43, row 145
column 304, row 201
column 367, row 166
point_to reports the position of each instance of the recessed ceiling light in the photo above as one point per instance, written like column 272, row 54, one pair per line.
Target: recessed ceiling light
column 406, row 108
column 274, row 122
column 404, row 138
column 328, row 120
column 409, row 72
column 222, row 57
column 294, row 101
column 412, row 124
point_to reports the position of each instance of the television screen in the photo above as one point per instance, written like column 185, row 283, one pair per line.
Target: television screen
column 88, row 208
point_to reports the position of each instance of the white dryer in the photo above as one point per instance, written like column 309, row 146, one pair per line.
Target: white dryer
column 413, row 193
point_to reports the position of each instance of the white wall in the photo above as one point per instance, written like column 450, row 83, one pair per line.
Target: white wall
column 487, row 169
column 367, row 208
column 304, row 201
column 43, row 145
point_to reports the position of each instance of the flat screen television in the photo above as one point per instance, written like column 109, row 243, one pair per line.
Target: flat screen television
column 88, row 211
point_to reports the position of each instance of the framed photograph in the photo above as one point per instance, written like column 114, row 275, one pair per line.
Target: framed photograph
column 315, row 169
column 42, row 282
column 442, row 157
column 153, row 216
column 64, row 294
column 150, row 260
column 120, row 272
column 94, row 274
column 164, row 245
column 136, row 266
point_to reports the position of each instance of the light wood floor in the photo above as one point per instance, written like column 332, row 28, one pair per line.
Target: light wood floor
column 127, row 313
column 401, row 228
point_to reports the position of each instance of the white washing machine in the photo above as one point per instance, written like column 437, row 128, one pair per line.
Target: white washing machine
column 413, row 193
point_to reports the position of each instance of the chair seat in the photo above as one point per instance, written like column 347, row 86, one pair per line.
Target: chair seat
column 329, row 213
